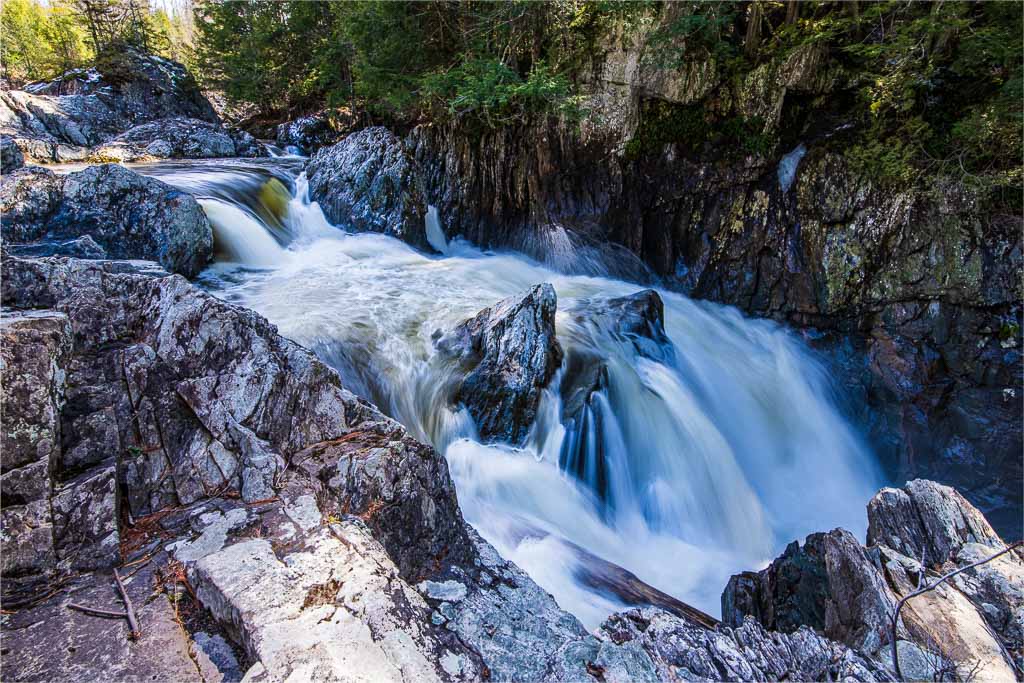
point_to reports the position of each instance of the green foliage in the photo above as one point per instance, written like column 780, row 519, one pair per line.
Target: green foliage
column 40, row 41
column 696, row 31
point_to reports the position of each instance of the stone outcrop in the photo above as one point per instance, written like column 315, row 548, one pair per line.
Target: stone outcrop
column 104, row 211
column 368, row 182
column 133, row 106
column 508, row 353
column 848, row 593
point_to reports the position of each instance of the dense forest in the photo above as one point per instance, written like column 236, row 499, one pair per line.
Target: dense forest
column 936, row 86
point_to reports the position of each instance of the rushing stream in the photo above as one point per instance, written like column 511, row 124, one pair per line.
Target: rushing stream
column 710, row 454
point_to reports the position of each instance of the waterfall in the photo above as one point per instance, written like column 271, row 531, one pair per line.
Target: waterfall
column 697, row 456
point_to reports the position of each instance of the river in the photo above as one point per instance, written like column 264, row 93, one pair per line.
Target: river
column 714, row 452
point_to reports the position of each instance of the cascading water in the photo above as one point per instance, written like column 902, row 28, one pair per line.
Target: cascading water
column 699, row 455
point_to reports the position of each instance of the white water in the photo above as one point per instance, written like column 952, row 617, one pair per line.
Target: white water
column 719, row 449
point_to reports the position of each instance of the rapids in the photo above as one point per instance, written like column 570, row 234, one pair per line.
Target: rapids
column 716, row 451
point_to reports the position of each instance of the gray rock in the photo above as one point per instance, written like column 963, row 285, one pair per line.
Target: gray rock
column 927, row 521
column 11, row 157
column 124, row 213
column 830, row 584
column 84, row 247
column 308, row 132
column 35, row 350
column 62, row 120
column 682, row 651
column 368, row 182
column 508, row 353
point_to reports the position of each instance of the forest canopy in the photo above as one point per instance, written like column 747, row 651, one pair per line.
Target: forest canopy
column 927, row 85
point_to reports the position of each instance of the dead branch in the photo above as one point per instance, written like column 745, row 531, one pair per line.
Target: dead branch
column 930, row 587
column 92, row 611
column 129, row 610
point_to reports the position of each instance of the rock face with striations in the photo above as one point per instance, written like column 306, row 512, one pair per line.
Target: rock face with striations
column 368, row 183
column 508, row 353
column 848, row 593
column 104, row 211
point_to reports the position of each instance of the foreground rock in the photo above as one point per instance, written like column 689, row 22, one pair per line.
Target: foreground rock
column 508, row 353
column 368, row 183
column 268, row 523
column 104, row 211
column 970, row 628
column 101, row 114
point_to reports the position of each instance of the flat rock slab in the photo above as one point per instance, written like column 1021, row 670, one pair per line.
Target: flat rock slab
column 49, row 642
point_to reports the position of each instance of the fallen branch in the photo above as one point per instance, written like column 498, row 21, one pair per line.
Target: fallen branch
column 930, row 587
column 129, row 610
column 106, row 614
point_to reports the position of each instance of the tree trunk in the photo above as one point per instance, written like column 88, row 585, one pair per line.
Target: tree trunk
column 793, row 11
column 753, row 38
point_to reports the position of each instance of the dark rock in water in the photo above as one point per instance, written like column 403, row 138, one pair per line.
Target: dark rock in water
column 681, row 650
column 309, row 133
column 848, row 593
column 172, row 138
column 368, row 183
column 124, row 214
column 510, row 353
column 11, row 157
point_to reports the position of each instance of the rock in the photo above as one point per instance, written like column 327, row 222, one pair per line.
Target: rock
column 401, row 489
column 62, row 120
column 847, row 592
column 11, row 157
column 123, row 213
column 309, row 133
column 51, row 642
column 368, row 182
column 35, row 352
column 84, row 247
column 927, row 521
column 509, row 353
column 830, row 584
column 684, row 651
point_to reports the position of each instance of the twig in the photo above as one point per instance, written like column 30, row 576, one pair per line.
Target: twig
column 107, row 614
column 930, row 587
column 129, row 610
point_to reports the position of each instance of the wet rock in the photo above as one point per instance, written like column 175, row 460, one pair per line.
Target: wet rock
column 11, row 157
column 847, row 592
column 681, row 651
column 308, row 133
column 509, row 353
column 123, row 213
column 84, row 247
column 368, row 182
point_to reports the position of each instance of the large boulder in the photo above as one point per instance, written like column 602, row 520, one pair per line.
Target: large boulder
column 970, row 626
column 368, row 182
column 508, row 353
column 310, row 133
column 102, row 211
column 133, row 106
